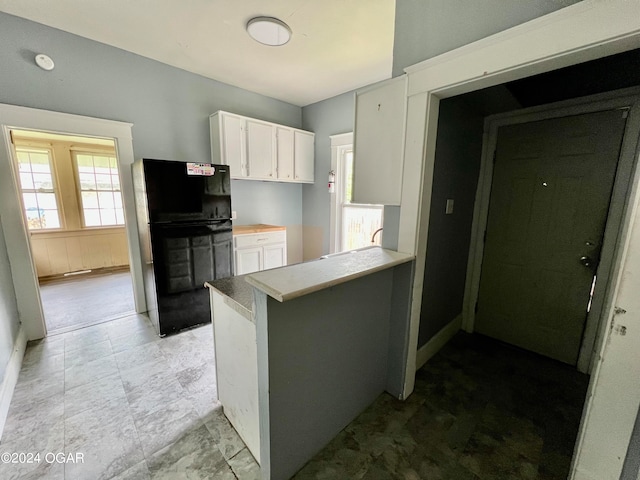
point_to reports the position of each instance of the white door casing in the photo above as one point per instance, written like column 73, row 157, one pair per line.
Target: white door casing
column 584, row 31
column 17, row 236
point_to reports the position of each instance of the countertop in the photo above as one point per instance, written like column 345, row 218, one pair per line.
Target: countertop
column 237, row 293
column 257, row 228
column 287, row 283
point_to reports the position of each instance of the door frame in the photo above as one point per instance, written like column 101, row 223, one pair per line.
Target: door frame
column 626, row 100
column 23, row 272
column 568, row 36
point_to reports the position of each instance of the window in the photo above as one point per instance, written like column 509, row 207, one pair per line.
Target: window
column 37, row 187
column 99, row 189
column 358, row 221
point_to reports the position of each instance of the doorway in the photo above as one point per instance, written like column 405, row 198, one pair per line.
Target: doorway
column 539, row 46
column 550, row 195
column 71, row 199
column 581, row 306
column 15, row 231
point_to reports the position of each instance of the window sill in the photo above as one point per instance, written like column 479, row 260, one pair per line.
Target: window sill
column 77, row 232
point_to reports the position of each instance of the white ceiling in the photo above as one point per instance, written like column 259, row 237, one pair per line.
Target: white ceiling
column 337, row 45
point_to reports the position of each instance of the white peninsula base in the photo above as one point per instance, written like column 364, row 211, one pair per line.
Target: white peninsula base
column 302, row 350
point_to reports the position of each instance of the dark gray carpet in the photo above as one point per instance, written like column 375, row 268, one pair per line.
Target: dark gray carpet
column 77, row 302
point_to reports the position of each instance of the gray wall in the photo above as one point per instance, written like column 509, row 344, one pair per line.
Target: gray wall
column 9, row 323
column 266, row 202
column 455, row 176
column 423, row 29
column 328, row 117
column 458, row 152
column 168, row 106
column 426, row 28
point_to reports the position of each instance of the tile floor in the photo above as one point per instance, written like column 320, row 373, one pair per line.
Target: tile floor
column 480, row 411
column 140, row 407
column 135, row 405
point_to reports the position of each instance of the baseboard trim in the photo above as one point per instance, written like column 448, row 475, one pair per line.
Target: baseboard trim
column 11, row 376
column 438, row 341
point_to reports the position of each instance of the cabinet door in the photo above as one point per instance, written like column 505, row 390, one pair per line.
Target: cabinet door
column 275, row 255
column 248, row 260
column 260, row 149
column 379, row 143
column 233, row 145
column 284, row 154
column 304, row 154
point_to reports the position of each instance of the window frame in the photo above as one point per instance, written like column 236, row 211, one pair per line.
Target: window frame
column 93, row 152
column 55, row 187
column 341, row 198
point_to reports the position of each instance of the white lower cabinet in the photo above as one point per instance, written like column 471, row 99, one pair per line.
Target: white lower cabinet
column 260, row 251
column 274, row 255
column 249, row 260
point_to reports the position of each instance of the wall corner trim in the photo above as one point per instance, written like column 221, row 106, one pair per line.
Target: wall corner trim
column 11, row 376
column 438, row 341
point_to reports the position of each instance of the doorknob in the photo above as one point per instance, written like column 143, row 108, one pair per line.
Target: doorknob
column 586, row 261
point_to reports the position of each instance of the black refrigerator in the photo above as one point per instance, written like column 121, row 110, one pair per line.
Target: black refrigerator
column 184, row 223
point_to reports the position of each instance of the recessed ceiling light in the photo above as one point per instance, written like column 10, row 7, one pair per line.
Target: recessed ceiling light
column 269, row 31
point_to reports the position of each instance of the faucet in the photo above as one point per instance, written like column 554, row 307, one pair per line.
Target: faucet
column 373, row 237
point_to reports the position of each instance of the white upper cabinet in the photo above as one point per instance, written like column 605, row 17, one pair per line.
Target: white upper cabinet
column 259, row 150
column 260, row 147
column 304, row 154
column 379, row 142
column 284, row 153
column 227, row 134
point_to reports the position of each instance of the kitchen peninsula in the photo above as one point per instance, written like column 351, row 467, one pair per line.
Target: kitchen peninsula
column 302, row 350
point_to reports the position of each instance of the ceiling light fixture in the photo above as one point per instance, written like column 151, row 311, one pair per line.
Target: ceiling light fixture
column 269, row 31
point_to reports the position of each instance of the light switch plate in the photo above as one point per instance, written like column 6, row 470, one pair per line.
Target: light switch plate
column 234, row 215
column 449, row 207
